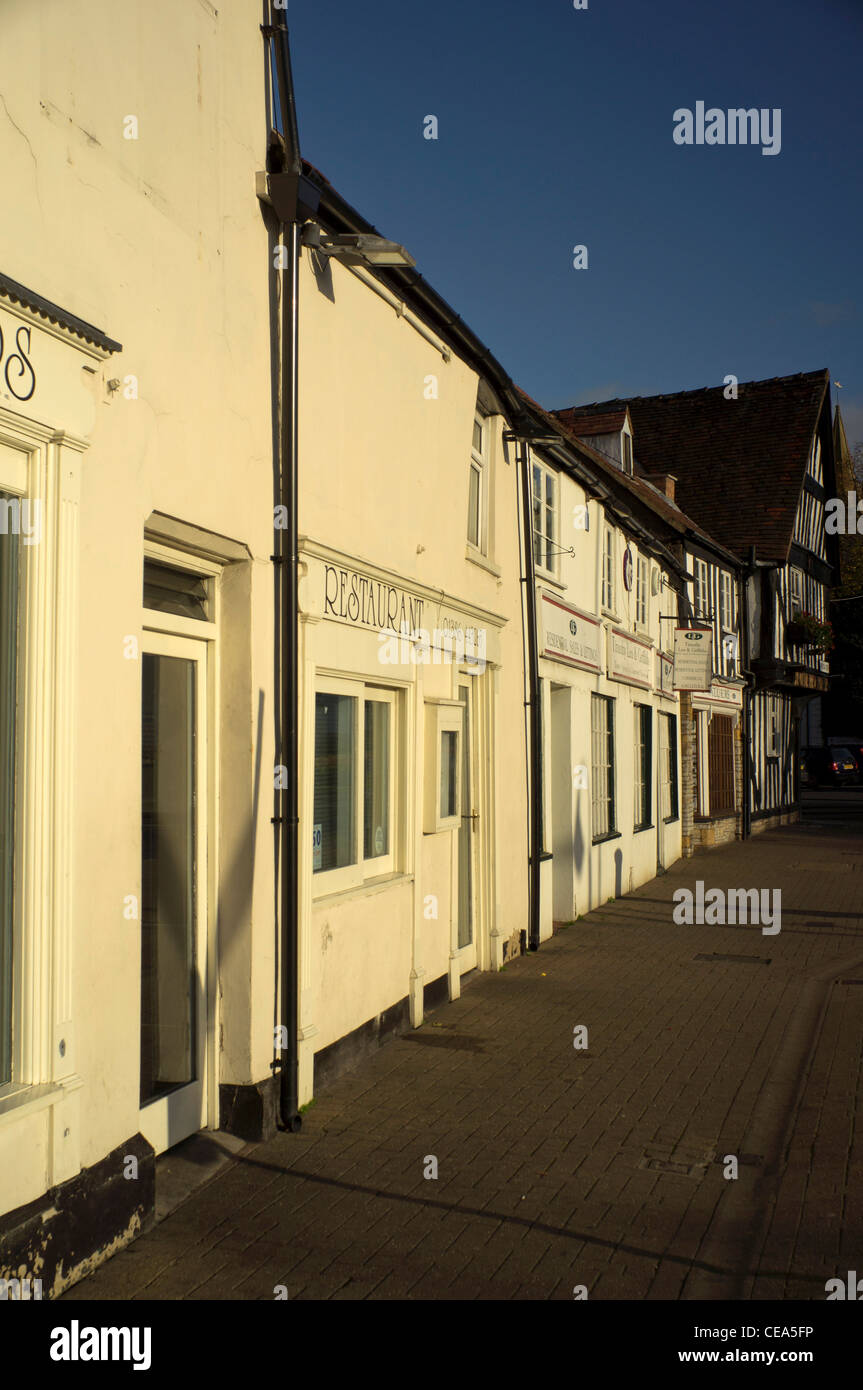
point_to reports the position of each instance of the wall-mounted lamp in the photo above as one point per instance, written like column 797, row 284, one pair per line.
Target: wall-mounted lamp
column 357, row 248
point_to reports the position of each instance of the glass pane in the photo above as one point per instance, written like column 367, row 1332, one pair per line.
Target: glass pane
column 473, row 508
column 8, row 667
column 448, row 772
column 176, row 591
column 477, row 436
column 376, row 785
column 168, row 816
column 335, row 786
column 549, row 490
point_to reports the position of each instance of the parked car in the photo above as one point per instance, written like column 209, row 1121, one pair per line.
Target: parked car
column 856, row 750
column 829, row 767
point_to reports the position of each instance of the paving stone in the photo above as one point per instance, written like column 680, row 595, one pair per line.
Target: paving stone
column 540, row 1147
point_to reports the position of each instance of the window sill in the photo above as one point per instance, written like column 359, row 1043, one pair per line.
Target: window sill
column 637, row 829
column 669, row 820
column 360, row 890
column 544, row 577
column 612, row 835
column 28, row 1101
column 477, row 557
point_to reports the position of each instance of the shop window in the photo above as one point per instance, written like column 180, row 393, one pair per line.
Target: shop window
column 376, row 779
column 9, row 559
column 353, row 814
column 602, row 760
column 643, row 765
column 720, row 757
column 335, row 777
column 544, row 517
column 668, row 767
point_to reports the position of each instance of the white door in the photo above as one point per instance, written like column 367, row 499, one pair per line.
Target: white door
column 469, row 832
column 174, row 898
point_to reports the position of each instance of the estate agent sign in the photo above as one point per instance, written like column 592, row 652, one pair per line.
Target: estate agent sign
column 569, row 635
column 629, row 659
column 693, row 658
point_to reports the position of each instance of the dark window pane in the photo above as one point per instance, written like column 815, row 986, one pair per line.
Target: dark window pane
column 376, row 784
column 448, row 773
column 168, row 817
column 335, row 788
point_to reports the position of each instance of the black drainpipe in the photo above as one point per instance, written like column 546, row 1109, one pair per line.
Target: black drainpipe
column 749, row 690
column 535, row 714
column 283, row 188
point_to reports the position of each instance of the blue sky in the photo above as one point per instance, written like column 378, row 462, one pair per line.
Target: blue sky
column 555, row 130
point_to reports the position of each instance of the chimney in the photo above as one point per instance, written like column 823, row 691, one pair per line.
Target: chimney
column 665, row 483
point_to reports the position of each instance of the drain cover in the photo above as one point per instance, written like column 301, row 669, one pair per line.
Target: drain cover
column 459, row 1042
column 738, row 960
column 670, row 1165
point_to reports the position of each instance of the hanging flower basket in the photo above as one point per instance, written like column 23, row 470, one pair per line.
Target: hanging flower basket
column 806, row 630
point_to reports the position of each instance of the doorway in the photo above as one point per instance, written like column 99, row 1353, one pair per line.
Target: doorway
column 470, row 830
column 174, row 889
column 565, row 786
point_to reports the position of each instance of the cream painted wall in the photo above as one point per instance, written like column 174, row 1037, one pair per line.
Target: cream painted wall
column 618, row 865
column 161, row 243
column 385, row 469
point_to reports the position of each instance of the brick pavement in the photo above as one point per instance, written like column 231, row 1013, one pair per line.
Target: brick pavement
column 544, row 1151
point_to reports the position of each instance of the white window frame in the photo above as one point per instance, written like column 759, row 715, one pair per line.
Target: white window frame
column 441, row 716
column 627, row 464
column 726, row 603
column 37, row 462
column 479, row 466
column 546, row 473
column 354, row 875
column 607, row 578
column 795, row 590
column 642, row 595
column 603, row 769
column 378, row 865
column 642, row 777
column 701, row 590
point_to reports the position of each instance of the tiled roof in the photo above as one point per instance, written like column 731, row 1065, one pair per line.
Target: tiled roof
column 592, row 422
column 637, row 487
column 739, row 464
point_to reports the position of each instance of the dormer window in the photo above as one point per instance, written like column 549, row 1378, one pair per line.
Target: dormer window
column 626, row 452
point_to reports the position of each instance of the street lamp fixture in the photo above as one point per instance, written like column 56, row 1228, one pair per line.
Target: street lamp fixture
column 357, row 248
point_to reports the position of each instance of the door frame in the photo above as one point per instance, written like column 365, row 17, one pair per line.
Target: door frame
column 479, row 752
column 201, row 636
